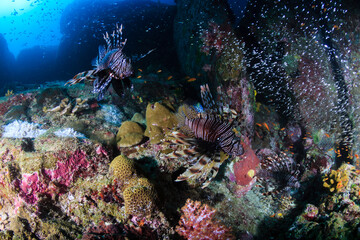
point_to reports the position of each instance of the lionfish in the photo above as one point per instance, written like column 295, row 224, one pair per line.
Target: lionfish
column 279, row 174
column 112, row 66
column 209, row 140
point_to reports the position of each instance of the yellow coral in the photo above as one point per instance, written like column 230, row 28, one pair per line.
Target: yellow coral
column 159, row 119
column 338, row 180
column 129, row 134
column 139, row 197
column 122, row 168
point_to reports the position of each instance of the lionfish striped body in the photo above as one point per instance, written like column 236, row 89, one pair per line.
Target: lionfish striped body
column 211, row 129
column 210, row 140
column 112, row 66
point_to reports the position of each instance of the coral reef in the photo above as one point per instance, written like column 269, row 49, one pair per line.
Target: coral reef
column 338, row 180
column 139, row 194
column 197, row 222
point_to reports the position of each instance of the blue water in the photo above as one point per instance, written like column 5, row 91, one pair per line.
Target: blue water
column 28, row 23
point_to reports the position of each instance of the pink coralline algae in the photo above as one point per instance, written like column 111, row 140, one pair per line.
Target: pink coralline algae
column 68, row 168
column 30, row 186
column 48, row 182
column 197, row 222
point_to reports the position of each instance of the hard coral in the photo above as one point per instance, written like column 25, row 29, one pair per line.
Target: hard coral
column 122, row 168
column 159, row 119
column 129, row 134
column 139, row 197
column 197, row 222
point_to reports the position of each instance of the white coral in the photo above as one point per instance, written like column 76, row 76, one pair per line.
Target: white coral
column 20, row 129
column 68, row 132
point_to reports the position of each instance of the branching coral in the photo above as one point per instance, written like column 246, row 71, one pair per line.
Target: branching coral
column 197, row 222
column 65, row 107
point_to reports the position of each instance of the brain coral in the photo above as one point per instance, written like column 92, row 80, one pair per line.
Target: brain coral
column 139, row 197
column 122, row 168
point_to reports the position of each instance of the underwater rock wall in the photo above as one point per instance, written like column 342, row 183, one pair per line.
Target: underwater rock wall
column 206, row 45
column 147, row 25
column 6, row 62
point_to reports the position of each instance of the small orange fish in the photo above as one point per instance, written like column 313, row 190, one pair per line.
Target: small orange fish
column 140, row 70
column 138, row 76
column 259, row 124
column 356, row 155
column 159, row 71
column 327, row 135
column 267, row 127
column 191, row 79
column 169, row 77
column 282, row 129
column 336, row 27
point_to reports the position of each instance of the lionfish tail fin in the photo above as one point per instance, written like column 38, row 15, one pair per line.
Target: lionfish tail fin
column 86, row 75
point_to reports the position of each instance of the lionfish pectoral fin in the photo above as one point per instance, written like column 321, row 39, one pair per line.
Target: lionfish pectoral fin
column 198, row 171
column 86, row 75
column 218, row 160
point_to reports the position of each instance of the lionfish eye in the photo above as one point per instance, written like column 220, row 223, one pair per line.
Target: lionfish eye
column 152, row 106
